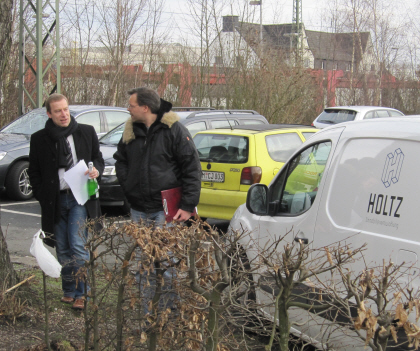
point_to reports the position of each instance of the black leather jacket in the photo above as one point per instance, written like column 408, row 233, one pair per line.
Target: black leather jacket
column 164, row 157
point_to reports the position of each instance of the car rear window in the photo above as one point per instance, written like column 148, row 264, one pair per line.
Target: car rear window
column 336, row 116
column 281, row 146
column 222, row 148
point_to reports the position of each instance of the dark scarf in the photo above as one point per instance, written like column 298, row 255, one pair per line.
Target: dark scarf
column 59, row 135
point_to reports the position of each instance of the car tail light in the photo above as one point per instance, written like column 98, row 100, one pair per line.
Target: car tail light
column 251, row 175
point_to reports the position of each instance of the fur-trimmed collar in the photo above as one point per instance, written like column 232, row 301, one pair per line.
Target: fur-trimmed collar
column 168, row 118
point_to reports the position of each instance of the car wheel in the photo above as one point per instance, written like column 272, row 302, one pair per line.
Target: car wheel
column 17, row 182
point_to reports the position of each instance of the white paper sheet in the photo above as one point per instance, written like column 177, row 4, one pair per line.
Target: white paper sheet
column 77, row 180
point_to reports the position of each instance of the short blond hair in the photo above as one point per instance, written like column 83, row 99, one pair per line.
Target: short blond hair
column 53, row 98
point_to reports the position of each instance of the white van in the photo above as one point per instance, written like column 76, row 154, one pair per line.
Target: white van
column 355, row 180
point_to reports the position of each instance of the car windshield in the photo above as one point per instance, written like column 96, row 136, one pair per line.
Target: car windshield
column 113, row 137
column 27, row 124
column 222, row 148
column 333, row 116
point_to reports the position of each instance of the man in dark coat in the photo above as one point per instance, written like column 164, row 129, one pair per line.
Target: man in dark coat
column 156, row 153
column 53, row 150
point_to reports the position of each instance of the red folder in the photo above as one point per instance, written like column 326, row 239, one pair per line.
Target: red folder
column 171, row 200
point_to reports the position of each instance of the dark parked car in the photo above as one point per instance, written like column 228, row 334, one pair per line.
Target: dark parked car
column 15, row 137
column 110, row 191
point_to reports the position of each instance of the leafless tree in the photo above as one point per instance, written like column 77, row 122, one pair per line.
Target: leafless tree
column 7, row 273
column 83, row 81
column 8, row 60
column 379, row 301
column 374, row 59
column 121, row 21
column 6, row 24
column 289, row 269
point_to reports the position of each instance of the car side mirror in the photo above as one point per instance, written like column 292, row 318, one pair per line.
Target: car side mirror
column 256, row 200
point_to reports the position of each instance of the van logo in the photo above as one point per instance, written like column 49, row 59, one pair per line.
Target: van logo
column 392, row 168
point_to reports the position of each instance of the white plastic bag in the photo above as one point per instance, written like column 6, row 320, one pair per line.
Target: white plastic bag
column 46, row 261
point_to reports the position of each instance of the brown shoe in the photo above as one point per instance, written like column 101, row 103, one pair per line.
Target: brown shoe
column 67, row 299
column 79, row 304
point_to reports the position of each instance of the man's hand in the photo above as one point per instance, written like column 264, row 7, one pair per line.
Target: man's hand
column 182, row 216
column 94, row 174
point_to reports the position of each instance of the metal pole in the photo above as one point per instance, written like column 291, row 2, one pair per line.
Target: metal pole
column 259, row 3
column 261, row 28
column 21, row 109
column 57, row 42
column 39, row 56
column 38, row 36
column 261, row 31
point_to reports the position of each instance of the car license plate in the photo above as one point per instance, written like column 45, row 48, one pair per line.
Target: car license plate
column 217, row 177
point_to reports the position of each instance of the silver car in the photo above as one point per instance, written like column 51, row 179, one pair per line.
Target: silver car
column 339, row 114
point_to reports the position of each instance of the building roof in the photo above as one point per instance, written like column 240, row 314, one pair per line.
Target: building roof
column 336, row 46
column 324, row 45
column 273, row 35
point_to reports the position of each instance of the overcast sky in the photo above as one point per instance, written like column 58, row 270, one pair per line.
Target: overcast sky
column 274, row 11
column 314, row 13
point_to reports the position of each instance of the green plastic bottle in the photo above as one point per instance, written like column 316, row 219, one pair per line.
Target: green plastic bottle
column 93, row 186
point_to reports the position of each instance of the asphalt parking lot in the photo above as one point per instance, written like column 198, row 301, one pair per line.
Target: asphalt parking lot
column 19, row 221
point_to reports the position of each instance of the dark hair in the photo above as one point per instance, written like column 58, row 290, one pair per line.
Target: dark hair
column 147, row 96
column 53, row 98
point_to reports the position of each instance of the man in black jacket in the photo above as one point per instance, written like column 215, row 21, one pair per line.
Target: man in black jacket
column 53, row 150
column 156, row 153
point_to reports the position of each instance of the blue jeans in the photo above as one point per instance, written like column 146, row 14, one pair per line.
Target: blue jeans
column 71, row 239
column 155, row 219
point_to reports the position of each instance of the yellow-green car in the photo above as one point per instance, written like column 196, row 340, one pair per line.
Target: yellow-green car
column 234, row 158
